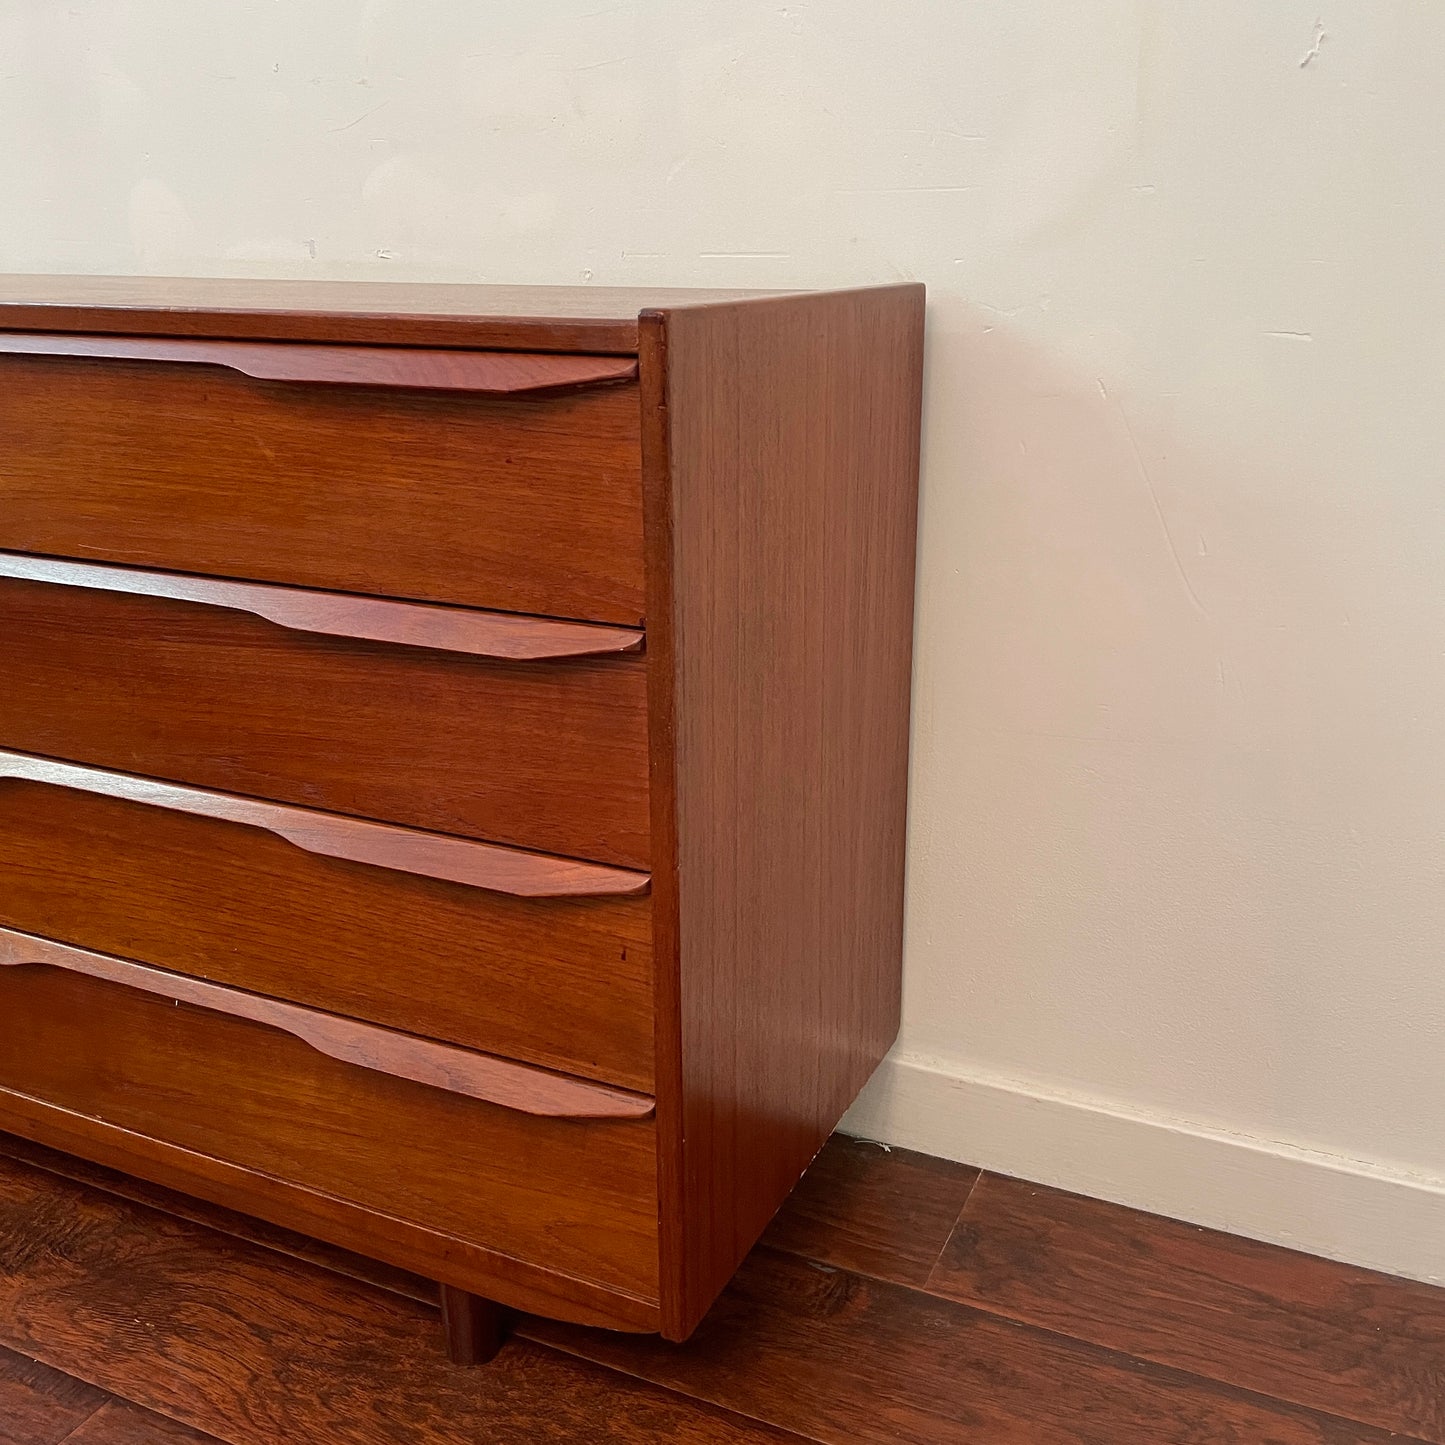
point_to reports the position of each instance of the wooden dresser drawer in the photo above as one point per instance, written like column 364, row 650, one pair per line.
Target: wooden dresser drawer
column 548, row 754
column 452, row 476
column 576, row 1195
column 533, row 957
column 454, row 760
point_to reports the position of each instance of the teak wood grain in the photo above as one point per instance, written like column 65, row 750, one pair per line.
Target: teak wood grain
column 498, row 635
column 427, row 739
column 198, row 883
column 781, row 460
column 509, row 1085
column 287, row 812
column 525, row 505
column 526, row 318
column 475, row 1329
column 149, row 1082
column 351, row 840
column 504, row 373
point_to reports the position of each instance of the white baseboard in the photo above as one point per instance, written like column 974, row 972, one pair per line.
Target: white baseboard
column 1346, row 1209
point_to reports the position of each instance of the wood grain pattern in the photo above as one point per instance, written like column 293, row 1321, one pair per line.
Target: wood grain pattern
column 1309, row 1330
column 780, row 471
column 522, row 1283
column 38, row 1405
column 90, row 860
column 258, row 1349
column 327, row 614
column 365, row 1046
column 750, row 499
column 120, row 1423
column 516, row 505
column 872, row 1209
column 140, row 1081
column 220, row 1220
column 97, row 1284
column 506, row 373
column 406, row 735
column 542, row 318
column 403, row 850
column 475, row 1329
column 845, row 1360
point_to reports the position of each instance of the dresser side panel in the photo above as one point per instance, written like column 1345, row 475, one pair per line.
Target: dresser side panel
column 792, row 435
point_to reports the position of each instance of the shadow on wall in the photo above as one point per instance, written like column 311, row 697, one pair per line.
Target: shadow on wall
column 1178, row 696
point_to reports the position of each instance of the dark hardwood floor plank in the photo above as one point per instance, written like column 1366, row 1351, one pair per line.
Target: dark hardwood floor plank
column 223, row 1220
column 258, row 1348
column 121, row 1423
column 846, row 1360
column 1050, row 1320
column 40, row 1405
column 1330, row 1336
column 874, row 1210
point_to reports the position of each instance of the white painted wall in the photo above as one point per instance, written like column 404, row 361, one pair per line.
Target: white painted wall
column 1179, row 824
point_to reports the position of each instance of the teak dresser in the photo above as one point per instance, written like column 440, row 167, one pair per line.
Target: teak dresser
column 453, row 760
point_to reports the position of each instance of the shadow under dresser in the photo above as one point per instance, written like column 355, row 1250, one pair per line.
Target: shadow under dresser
column 453, row 760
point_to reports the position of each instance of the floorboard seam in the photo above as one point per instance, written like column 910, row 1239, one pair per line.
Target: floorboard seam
column 787, row 1431
column 1322, row 1412
column 952, row 1230
column 104, row 1405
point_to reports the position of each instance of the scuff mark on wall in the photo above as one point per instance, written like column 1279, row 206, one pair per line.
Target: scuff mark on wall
column 1148, row 481
column 366, row 115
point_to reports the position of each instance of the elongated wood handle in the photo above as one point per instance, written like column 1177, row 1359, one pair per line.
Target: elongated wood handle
column 353, row 840
column 504, row 636
column 481, row 373
column 522, row 1087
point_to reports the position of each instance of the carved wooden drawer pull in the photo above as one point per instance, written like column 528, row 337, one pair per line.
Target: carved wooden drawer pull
column 522, row 1087
column 502, row 635
column 353, row 840
column 483, row 373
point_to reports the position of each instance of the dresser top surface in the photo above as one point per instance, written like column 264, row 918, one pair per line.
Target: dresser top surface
column 544, row 318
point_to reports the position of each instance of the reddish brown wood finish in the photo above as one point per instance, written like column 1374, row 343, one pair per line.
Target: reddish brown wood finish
column 873, row 1209
column 475, row 1329
column 1312, row 1331
column 522, row 505
column 498, row 635
column 402, row 850
column 485, row 373
column 41, row 1406
column 218, row 1219
column 547, row 755
column 525, row 318
column 366, row 1046
column 574, row 1198
column 117, row 1423
column 749, row 498
column 845, row 1360
column 226, row 1330
column 296, row 1208
column 781, row 460
column 91, row 860
column 265, row 1350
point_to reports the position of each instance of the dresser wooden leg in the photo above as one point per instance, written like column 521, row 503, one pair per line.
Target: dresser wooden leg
column 475, row 1328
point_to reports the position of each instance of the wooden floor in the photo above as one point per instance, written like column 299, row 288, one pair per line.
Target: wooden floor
column 898, row 1298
